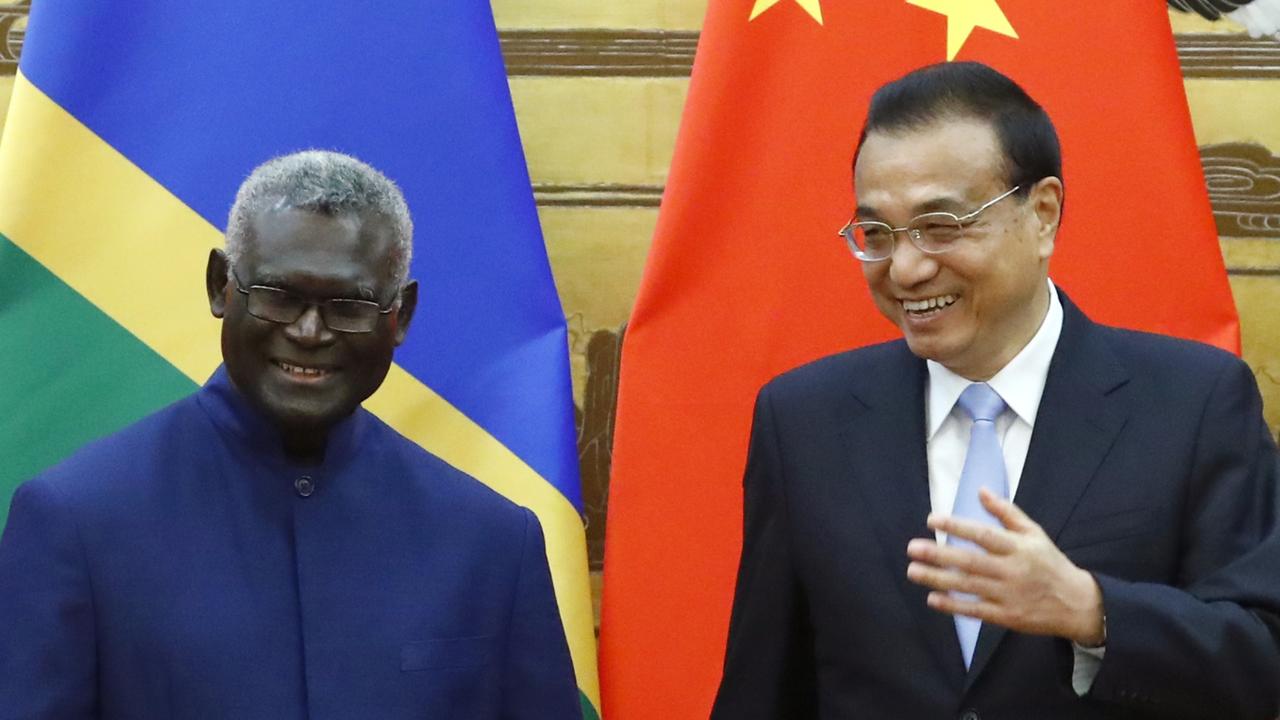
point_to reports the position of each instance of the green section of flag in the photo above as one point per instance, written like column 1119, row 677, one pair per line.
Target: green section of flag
column 68, row 372
column 588, row 710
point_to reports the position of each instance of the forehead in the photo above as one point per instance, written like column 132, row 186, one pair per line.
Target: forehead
column 284, row 242
column 951, row 158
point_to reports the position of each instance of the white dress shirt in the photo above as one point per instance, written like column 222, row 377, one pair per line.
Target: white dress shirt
column 1020, row 384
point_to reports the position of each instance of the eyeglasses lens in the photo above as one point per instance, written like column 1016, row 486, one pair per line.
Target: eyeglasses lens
column 870, row 240
column 935, row 232
column 353, row 316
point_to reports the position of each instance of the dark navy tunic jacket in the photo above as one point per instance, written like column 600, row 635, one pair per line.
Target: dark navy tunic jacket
column 185, row 568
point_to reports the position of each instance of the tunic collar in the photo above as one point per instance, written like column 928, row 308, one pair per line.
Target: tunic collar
column 236, row 418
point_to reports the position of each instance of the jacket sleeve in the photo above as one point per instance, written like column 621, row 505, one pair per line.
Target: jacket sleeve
column 768, row 667
column 538, row 675
column 47, row 648
column 1209, row 646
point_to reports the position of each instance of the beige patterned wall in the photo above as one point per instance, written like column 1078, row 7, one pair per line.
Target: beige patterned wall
column 598, row 88
column 1233, row 89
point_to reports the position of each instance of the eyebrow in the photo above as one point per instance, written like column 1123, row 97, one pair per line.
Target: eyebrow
column 363, row 292
column 955, row 206
column 269, row 279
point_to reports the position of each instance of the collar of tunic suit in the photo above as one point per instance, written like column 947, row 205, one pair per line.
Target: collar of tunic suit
column 233, row 414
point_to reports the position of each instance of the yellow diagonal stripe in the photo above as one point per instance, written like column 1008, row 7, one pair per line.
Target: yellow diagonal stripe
column 138, row 253
column 108, row 230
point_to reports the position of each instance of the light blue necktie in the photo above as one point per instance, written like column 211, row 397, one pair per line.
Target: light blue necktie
column 983, row 467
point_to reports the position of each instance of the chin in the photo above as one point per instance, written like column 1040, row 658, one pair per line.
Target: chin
column 307, row 415
column 929, row 349
column 922, row 347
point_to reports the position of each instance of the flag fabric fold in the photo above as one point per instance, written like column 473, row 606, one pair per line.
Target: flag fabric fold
column 747, row 277
column 130, row 130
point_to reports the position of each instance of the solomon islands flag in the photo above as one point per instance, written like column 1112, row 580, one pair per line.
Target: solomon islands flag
column 131, row 126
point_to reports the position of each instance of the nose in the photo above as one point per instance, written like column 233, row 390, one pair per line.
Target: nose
column 309, row 329
column 909, row 265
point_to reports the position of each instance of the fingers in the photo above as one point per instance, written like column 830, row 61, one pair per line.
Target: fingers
column 945, row 579
column 993, row 539
column 963, row 559
column 983, row 610
column 1022, row 581
column 1009, row 515
column 953, row 569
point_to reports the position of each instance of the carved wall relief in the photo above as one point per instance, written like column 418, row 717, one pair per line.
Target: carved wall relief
column 1244, row 187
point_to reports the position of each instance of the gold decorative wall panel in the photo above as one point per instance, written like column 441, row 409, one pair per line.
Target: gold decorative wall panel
column 601, row 53
column 1244, row 185
column 608, row 131
column 590, row 14
column 1226, row 111
column 595, row 247
column 1231, row 57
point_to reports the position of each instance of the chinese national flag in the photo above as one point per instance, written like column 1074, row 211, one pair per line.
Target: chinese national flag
column 747, row 277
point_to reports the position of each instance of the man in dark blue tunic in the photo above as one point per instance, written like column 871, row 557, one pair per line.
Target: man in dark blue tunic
column 265, row 548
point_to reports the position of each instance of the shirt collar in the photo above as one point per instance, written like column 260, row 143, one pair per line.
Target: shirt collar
column 1020, row 382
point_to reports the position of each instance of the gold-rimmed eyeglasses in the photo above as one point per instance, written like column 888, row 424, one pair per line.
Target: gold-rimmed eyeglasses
column 932, row 233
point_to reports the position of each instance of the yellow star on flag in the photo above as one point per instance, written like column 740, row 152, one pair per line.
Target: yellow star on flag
column 962, row 17
column 810, row 6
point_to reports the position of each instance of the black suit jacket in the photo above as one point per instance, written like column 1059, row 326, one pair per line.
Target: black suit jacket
column 1149, row 465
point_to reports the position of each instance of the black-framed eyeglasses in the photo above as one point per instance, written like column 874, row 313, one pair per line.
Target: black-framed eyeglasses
column 932, row 233
column 343, row 315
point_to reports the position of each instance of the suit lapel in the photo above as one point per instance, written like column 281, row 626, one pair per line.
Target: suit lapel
column 885, row 446
column 1076, row 425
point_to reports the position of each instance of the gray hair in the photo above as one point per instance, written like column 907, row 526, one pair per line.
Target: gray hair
column 326, row 182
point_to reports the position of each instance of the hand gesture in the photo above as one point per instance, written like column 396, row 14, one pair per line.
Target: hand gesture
column 1022, row 581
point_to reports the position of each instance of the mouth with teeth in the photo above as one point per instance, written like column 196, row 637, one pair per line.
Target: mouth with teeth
column 928, row 306
column 302, row 373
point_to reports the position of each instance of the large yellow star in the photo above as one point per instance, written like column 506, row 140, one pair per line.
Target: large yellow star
column 810, row 6
column 965, row 15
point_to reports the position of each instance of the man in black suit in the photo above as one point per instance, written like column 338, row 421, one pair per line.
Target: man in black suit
column 884, row 574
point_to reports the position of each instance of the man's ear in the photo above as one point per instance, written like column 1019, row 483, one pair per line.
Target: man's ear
column 216, row 278
column 1046, row 199
column 403, row 315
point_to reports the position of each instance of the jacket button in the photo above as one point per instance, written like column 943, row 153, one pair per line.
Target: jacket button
column 304, row 485
column 970, row 715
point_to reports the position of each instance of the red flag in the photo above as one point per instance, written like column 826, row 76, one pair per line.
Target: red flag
column 747, row 277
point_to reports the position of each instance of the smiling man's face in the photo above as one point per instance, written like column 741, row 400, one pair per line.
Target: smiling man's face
column 303, row 375
column 974, row 307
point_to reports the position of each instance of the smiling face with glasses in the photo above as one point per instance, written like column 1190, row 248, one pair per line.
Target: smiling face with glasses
column 311, row 314
column 969, row 287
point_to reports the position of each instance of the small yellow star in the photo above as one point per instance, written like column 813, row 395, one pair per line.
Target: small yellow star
column 810, row 6
column 965, row 15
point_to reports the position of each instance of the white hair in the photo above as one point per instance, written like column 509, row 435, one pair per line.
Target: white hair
column 325, row 182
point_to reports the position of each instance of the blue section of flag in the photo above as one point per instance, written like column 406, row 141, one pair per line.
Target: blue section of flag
column 196, row 99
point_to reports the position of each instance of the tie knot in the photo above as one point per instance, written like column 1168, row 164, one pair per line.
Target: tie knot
column 980, row 402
